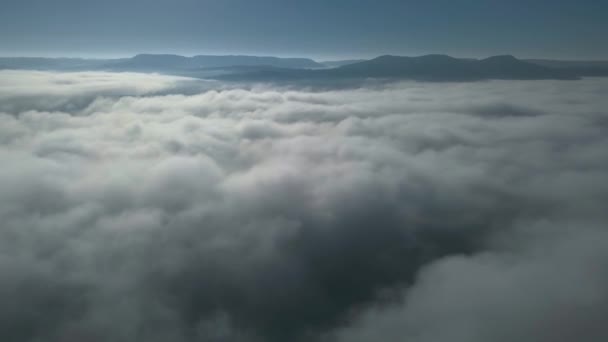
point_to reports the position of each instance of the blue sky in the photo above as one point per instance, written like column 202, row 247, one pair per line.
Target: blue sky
column 322, row 29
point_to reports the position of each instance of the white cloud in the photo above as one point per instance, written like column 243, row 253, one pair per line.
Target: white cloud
column 281, row 212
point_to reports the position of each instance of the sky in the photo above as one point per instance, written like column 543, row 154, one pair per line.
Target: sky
column 320, row 29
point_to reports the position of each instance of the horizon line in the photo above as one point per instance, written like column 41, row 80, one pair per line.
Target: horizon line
column 319, row 60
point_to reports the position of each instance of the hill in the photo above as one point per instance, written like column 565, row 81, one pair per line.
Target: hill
column 424, row 68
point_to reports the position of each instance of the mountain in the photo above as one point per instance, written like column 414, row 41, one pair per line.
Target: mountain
column 57, row 64
column 335, row 64
column 509, row 67
column 256, row 68
column 148, row 62
column 581, row 68
column 158, row 62
column 430, row 67
column 154, row 63
column 446, row 68
column 425, row 68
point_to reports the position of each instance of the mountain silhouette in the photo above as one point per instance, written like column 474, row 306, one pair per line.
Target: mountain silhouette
column 424, row 68
column 432, row 67
column 56, row 64
column 339, row 63
column 256, row 68
column 581, row 68
column 156, row 62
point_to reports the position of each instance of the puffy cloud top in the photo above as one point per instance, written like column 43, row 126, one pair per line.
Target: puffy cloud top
column 148, row 207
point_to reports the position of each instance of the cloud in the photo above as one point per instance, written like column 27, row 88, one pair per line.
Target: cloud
column 165, row 209
column 55, row 91
column 548, row 287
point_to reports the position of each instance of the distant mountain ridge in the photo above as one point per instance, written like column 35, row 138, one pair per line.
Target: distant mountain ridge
column 154, row 61
column 582, row 68
column 426, row 68
column 56, row 64
column 434, row 67
column 339, row 63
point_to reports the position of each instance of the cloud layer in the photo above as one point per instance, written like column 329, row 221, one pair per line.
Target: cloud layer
column 148, row 207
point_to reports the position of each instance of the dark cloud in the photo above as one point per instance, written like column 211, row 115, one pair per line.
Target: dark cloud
column 433, row 211
column 550, row 286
